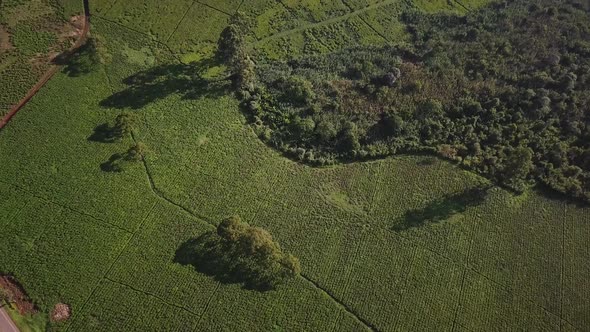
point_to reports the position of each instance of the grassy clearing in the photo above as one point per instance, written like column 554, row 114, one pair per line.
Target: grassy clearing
column 106, row 243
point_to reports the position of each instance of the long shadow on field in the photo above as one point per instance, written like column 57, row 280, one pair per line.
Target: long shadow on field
column 159, row 82
column 207, row 256
column 443, row 208
column 104, row 133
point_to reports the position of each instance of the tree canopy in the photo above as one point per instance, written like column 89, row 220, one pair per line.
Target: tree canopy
column 503, row 90
column 238, row 252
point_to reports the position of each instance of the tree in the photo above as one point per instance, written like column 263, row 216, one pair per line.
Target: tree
column 232, row 51
column 297, row 90
column 87, row 58
column 136, row 152
column 231, row 46
column 326, row 131
column 350, row 137
column 517, row 167
column 240, row 252
column 245, row 71
column 124, row 125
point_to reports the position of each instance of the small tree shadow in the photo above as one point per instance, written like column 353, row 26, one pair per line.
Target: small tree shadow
column 159, row 82
column 104, row 133
column 443, row 208
column 205, row 255
column 118, row 161
column 114, row 164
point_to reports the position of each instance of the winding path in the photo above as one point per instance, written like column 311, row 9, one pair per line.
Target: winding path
column 50, row 72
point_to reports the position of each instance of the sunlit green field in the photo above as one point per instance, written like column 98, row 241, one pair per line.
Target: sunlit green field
column 105, row 243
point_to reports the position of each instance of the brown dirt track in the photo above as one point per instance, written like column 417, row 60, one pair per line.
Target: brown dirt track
column 49, row 73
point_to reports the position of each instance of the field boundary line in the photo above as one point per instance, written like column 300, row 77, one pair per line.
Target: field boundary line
column 111, row 7
column 376, row 188
column 525, row 297
column 461, row 289
column 341, row 304
column 322, row 23
column 152, row 38
column 159, row 194
column 213, row 295
column 66, row 207
column 151, row 295
column 406, row 274
column 112, row 265
column 180, row 21
column 462, row 5
column 15, row 214
column 374, row 30
column 152, row 185
column 240, row 6
column 217, row 9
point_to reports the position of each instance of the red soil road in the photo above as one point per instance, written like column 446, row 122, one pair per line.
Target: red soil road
column 49, row 74
column 6, row 324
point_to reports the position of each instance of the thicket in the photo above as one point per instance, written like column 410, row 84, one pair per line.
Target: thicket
column 238, row 252
column 502, row 90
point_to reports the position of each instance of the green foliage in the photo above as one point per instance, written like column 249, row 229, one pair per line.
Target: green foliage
column 118, row 162
column 501, row 114
column 238, row 252
column 124, row 125
column 231, row 46
column 28, row 39
column 490, row 264
column 89, row 57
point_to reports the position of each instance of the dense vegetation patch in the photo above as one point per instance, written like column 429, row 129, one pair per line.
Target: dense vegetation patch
column 502, row 90
column 238, row 252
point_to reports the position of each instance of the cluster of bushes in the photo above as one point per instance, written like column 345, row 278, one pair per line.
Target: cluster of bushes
column 123, row 126
column 503, row 91
column 238, row 252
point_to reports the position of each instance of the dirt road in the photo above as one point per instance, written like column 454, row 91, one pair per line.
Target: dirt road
column 49, row 74
column 6, row 324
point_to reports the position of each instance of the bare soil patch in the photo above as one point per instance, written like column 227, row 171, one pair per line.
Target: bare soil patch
column 5, row 43
column 61, row 312
column 15, row 293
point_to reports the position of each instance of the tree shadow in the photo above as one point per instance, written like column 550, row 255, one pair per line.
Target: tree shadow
column 205, row 255
column 443, row 208
column 114, row 164
column 161, row 81
column 118, row 161
column 79, row 62
column 104, row 133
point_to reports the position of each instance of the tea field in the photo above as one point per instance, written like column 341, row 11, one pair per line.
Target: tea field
column 106, row 243
column 31, row 32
